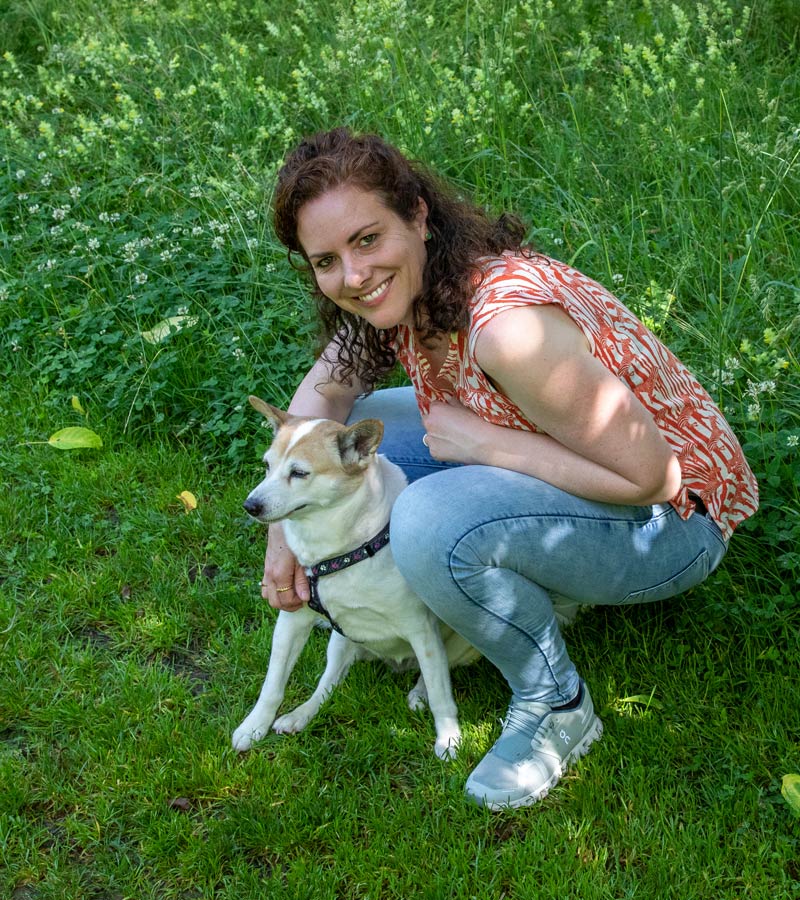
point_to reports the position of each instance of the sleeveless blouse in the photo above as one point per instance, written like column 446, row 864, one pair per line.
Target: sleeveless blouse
column 713, row 465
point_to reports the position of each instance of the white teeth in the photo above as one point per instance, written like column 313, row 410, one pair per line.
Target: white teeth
column 373, row 294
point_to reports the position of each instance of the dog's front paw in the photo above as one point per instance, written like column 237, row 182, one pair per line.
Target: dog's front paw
column 446, row 746
column 293, row 721
column 248, row 733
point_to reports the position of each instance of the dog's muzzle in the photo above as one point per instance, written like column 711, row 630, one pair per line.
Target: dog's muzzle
column 253, row 507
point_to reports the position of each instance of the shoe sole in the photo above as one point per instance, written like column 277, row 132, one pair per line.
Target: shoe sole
column 594, row 733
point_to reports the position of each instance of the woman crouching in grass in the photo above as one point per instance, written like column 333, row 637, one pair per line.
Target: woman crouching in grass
column 559, row 454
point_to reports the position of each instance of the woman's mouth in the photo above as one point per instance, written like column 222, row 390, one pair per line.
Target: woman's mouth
column 373, row 296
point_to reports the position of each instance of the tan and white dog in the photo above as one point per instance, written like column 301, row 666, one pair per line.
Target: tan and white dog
column 334, row 495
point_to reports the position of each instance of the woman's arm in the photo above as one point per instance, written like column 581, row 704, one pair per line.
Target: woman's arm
column 319, row 395
column 599, row 441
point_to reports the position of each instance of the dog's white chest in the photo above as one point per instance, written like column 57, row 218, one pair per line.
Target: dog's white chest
column 372, row 605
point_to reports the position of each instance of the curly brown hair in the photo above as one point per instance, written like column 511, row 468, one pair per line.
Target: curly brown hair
column 461, row 233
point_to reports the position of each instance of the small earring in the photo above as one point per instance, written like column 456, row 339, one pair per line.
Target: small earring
column 428, row 235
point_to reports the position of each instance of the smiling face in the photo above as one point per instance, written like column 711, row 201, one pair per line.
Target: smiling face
column 365, row 258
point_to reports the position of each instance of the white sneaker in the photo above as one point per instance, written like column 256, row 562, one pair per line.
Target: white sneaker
column 535, row 749
column 566, row 613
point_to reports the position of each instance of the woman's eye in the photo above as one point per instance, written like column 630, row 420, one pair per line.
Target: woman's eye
column 324, row 263
column 368, row 239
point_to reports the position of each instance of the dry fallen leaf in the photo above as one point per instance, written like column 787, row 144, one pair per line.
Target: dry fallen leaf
column 188, row 500
column 790, row 788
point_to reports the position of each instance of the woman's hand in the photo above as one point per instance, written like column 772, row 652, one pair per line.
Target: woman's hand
column 285, row 584
column 455, row 433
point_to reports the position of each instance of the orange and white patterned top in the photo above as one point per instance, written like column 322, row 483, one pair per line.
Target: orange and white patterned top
column 712, row 462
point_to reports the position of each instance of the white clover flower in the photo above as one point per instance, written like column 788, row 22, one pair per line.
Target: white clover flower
column 238, row 353
column 197, row 230
column 60, row 213
column 46, row 179
column 20, row 174
column 42, row 155
column 195, row 191
column 618, row 278
column 75, row 192
column 15, row 346
column 130, row 252
column 558, row 241
column 218, row 243
column 56, row 230
column 33, row 209
column 3, row 294
column 753, row 411
column 182, row 311
column 140, row 277
column 93, row 244
column 168, row 254
column 767, row 387
column 252, row 243
column 250, row 215
column 793, row 440
column 104, row 217
column 22, row 197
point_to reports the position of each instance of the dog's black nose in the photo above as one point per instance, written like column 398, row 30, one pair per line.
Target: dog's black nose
column 252, row 507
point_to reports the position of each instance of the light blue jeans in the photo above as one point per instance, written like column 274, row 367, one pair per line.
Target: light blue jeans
column 489, row 550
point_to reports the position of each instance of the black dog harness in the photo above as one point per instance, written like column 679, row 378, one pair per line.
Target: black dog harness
column 336, row 564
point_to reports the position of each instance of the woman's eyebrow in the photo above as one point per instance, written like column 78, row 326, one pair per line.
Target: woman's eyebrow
column 353, row 237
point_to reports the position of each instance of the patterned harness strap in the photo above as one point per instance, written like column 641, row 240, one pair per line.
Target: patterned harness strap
column 336, row 564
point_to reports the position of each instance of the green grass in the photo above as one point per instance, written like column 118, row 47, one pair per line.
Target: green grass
column 654, row 145
column 135, row 640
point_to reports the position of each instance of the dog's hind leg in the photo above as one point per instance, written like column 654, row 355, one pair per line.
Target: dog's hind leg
column 342, row 653
column 459, row 650
column 290, row 636
column 418, row 695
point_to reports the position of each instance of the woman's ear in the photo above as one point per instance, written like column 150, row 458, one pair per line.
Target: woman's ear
column 421, row 218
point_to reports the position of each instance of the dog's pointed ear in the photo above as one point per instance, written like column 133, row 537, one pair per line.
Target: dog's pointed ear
column 272, row 414
column 358, row 444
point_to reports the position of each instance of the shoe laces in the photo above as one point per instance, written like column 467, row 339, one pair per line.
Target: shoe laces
column 524, row 717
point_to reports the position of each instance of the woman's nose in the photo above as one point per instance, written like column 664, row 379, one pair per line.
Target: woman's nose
column 355, row 274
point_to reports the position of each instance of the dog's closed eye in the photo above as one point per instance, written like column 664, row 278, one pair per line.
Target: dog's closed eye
column 297, row 473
